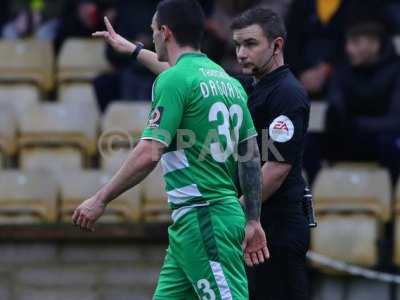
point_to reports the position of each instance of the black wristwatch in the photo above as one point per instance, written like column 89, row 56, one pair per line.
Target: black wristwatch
column 139, row 47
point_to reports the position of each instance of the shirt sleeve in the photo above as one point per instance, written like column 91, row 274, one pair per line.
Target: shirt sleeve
column 247, row 130
column 168, row 105
column 286, row 132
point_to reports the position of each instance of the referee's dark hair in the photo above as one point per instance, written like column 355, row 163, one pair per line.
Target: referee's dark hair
column 186, row 20
column 271, row 22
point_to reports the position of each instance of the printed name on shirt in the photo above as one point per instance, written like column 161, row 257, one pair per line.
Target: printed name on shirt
column 155, row 117
column 281, row 129
column 213, row 73
column 212, row 88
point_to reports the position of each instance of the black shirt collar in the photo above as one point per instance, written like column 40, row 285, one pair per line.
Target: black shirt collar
column 273, row 76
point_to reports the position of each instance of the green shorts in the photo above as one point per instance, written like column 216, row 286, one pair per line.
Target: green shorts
column 204, row 259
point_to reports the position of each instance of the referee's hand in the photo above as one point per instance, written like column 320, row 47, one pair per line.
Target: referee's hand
column 255, row 244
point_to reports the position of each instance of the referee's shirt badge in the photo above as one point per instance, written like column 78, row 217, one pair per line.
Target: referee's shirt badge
column 281, row 129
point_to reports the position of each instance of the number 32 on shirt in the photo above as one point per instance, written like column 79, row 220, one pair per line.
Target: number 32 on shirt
column 217, row 153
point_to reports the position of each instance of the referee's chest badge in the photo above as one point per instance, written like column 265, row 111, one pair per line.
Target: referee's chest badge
column 281, row 129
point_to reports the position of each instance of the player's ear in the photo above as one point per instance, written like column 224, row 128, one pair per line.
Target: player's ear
column 166, row 32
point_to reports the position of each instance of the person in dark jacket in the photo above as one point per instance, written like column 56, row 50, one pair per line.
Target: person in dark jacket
column 363, row 120
column 79, row 19
column 316, row 35
column 128, row 80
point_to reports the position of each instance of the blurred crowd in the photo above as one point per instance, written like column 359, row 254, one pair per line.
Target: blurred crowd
column 341, row 50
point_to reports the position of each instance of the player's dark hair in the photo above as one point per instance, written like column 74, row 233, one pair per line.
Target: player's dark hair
column 271, row 23
column 185, row 18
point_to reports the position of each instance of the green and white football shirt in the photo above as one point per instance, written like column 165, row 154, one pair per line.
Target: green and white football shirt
column 200, row 113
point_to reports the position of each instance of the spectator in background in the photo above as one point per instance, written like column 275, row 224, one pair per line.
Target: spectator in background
column 279, row 6
column 392, row 15
column 363, row 120
column 128, row 79
column 216, row 42
column 79, row 19
column 21, row 24
column 34, row 18
column 4, row 12
column 316, row 37
column 216, row 39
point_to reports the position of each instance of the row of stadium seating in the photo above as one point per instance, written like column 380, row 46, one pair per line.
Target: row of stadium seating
column 71, row 121
column 48, row 188
column 33, row 60
column 74, row 119
column 353, row 204
column 79, row 60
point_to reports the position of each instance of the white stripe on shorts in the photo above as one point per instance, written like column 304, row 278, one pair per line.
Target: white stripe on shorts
column 221, row 280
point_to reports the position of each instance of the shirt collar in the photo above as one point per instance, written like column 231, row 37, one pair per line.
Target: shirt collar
column 192, row 54
column 273, row 76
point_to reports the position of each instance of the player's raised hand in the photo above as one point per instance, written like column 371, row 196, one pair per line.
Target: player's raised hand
column 255, row 244
column 86, row 214
column 117, row 42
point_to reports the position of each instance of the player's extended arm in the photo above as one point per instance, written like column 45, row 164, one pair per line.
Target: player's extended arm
column 146, row 57
column 254, row 244
column 273, row 175
column 140, row 162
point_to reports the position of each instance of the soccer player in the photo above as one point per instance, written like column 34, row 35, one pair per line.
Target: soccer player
column 201, row 130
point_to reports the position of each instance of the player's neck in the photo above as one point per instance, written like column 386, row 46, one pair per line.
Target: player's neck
column 175, row 51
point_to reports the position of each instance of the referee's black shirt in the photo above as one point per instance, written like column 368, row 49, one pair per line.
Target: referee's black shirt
column 280, row 110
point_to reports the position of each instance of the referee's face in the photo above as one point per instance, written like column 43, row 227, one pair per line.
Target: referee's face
column 253, row 50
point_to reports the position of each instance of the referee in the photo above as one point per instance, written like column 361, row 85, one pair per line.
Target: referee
column 280, row 109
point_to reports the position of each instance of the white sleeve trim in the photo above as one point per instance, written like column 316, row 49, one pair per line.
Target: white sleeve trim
column 249, row 137
column 155, row 139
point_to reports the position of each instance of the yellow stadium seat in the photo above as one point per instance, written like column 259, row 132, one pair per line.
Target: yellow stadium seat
column 27, row 61
column 126, row 117
column 81, row 60
column 20, row 96
column 79, row 93
column 317, row 116
column 397, row 241
column 32, row 194
column 397, row 225
column 54, row 160
column 79, row 185
column 349, row 238
column 353, row 190
column 155, row 206
column 8, row 129
column 2, row 160
column 112, row 161
column 60, row 124
column 18, row 219
column 397, row 196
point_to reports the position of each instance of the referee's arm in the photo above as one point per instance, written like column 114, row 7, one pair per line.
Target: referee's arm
column 273, row 175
